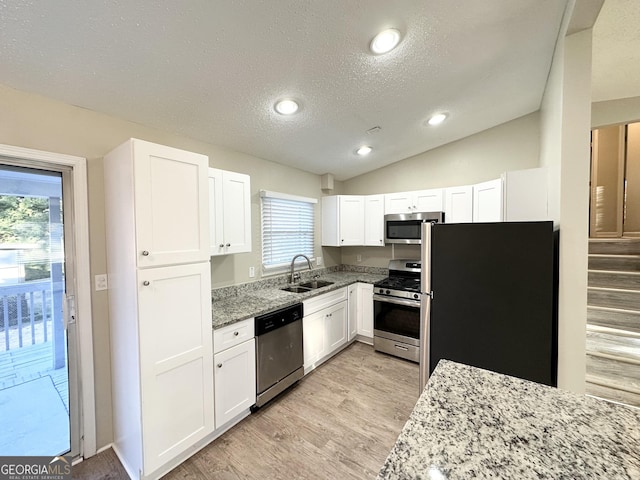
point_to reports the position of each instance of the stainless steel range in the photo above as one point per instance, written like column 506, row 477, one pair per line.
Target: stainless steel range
column 396, row 304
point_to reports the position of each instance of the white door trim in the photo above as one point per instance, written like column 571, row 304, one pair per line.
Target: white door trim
column 83, row 280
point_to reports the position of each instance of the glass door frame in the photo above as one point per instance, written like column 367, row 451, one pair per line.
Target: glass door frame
column 75, row 198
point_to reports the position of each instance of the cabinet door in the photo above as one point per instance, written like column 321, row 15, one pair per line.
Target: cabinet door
column 429, row 200
column 216, row 225
column 351, row 220
column 171, row 205
column 235, row 375
column 365, row 309
column 458, row 204
column 401, row 202
column 374, row 220
column 313, row 339
column 487, row 201
column 236, row 192
column 525, row 195
column 335, row 326
column 176, row 359
column 353, row 311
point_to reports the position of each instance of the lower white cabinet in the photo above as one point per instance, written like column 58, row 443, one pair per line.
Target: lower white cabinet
column 364, row 321
column 234, row 371
column 353, row 311
column 324, row 326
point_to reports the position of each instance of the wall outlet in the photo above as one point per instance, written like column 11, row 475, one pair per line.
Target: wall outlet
column 252, row 272
column 101, row 282
column 318, row 261
column 358, row 258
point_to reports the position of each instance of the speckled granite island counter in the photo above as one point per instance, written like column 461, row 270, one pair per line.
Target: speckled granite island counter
column 470, row 423
column 237, row 303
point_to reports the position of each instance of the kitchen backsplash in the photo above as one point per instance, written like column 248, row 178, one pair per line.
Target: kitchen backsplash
column 282, row 280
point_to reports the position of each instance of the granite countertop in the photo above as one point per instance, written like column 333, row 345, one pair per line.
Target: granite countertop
column 250, row 301
column 471, row 423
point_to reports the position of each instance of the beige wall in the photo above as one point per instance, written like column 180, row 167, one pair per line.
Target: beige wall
column 32, row 121
column 614, row 112
column 566, row 112
column 484, row 156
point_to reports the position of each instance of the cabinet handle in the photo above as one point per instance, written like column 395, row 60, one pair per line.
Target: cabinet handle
column 145, row 253
column 235, row 334
column 146, row 283
column 219, row 365
column 221, row 245
column 228, row 244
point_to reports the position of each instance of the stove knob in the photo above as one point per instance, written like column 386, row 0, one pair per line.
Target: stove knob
column 388, row 292
column 381, row 291
column 415, row 295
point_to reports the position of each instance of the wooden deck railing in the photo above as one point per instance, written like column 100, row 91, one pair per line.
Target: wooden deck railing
column 27, row 314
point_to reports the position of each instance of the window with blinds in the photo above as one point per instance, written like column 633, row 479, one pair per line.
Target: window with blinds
column 287, row 228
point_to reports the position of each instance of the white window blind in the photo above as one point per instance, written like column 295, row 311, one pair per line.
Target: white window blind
column 287, row 228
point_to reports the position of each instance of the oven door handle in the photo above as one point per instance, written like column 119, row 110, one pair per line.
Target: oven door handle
column 397, row 301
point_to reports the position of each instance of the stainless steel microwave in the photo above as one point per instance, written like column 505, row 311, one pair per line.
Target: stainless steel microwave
column 406, row 227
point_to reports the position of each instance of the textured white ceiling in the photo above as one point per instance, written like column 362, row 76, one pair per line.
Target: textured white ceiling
column 211, row 69
column 616, row 51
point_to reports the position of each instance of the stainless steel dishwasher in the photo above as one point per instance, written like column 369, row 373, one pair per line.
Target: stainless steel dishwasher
column 279, row 358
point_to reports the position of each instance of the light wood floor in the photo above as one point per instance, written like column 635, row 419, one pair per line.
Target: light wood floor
column 339, row 422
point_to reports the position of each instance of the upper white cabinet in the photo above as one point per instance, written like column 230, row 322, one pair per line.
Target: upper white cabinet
column 350, row 220
column 342, row 220
column 418, row 201
column 374, row 220
column 487, row 201
column 458, row 204
column 525, row 195
column 230, row 212
column 166, row 204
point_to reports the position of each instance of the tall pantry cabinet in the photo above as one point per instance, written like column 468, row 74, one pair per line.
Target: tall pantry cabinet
column 157, row 229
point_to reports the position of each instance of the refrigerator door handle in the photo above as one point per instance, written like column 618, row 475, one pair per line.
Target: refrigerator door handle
column 425, row 302
column 425, row 317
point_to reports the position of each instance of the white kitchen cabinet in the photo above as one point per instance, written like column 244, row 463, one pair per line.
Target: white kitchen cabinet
column 374, row 220
column 353, row 311
column 365, row 310
column 417, row 201
column 160, row 304
column 166, row 202
column 230, row 212
column 458, row 206
column 525, row 195
column 353, row 220
column 342, row 220
column 325, row 327
column 235, row 381
column 487, row 201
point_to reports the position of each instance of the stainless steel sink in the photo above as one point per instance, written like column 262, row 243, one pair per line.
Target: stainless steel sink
column 316, row 284
column 296, row 289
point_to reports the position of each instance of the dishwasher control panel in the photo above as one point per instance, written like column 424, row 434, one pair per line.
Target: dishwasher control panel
column 278, row 318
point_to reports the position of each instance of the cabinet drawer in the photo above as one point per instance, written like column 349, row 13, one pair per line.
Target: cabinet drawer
column 323, row 301
column 232, row 335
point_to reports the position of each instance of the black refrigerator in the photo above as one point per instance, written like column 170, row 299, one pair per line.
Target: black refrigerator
column 489, row 298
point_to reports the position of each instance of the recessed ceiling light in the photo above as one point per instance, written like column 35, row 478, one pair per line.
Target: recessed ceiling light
column 385, row 41
column 286, row 107
column 437, row 119
column 364, row 150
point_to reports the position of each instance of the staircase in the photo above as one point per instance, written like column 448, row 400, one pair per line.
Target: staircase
column 613, row 320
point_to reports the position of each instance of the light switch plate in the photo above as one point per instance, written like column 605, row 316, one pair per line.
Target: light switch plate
column 318, row 261
column 101, row 282
column 252, row 272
